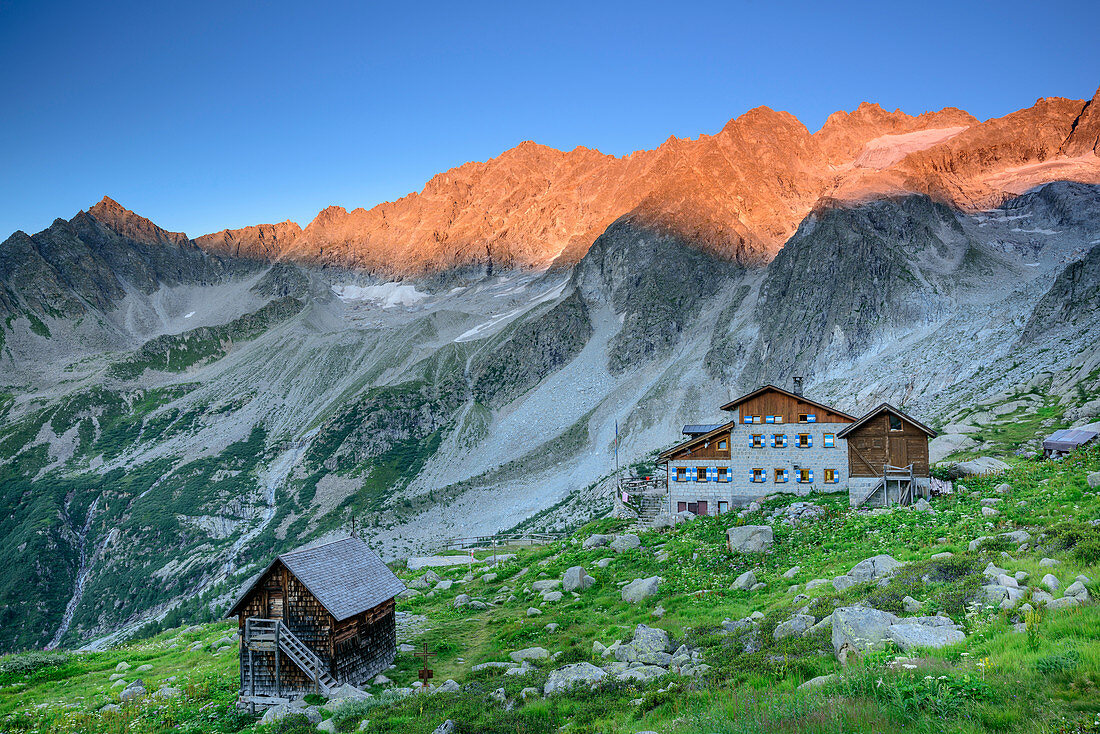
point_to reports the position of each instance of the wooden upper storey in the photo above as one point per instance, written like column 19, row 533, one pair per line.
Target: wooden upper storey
column 773, row 401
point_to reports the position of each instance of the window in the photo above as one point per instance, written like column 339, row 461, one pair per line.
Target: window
column 723, row 445
column 752, row 419
column 781, row 476
column 723, row 507
column 757, row 475
column 723, row 474
column 681, row 506
column 805, row 476
column 693, row 508
column 779, row 440
column 681, row 474
column 807, row 418
column 829, row 440
column 832, row 476
column 773, row 419
column 701, row 474
column 758, row 440
column 805, row 440
column 895, row 423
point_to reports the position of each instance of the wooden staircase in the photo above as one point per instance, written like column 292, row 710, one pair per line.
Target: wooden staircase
column 896, row 478
column 271, row 635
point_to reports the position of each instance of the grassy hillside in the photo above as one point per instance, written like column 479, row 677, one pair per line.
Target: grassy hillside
column 1013, row 673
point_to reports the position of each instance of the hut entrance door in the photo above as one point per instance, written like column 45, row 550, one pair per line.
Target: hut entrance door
column 275, row 604
column 899, row 456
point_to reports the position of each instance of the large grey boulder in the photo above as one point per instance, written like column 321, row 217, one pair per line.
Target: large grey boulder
column 642, row 673
column 908, row 635
column 744, row 582
column 575, row 579
column 597, row 541
column 794, row 626
column 749, row 538
column 639, row 589
column 565, row 678
column 545, row 585
column 978, row 467
column 447, row 727
column 649, row 645
column 874, row 568
column 625, row 543
column 860, row 628
column 530, row 653
column 1093, row 479
column 840, row 583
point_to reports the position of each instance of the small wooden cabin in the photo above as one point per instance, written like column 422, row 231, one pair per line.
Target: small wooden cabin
column 316, row 618
column 886, row 436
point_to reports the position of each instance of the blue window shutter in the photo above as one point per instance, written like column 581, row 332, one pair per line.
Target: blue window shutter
column 769, row 419
column 691, row 473
column 810, row 440
column 811, row 475
column 811, row 418
column 786, row 474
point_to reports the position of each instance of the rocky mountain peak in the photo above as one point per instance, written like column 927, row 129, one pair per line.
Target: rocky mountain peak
column 1085, row 135
column 133, row 226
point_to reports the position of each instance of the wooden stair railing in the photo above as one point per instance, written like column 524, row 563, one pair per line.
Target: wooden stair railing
column 264, row 635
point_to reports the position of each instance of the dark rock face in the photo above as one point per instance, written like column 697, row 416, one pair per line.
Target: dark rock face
column 530, row 351
column 654, row 281
column 1074, row 297
column 848, row 275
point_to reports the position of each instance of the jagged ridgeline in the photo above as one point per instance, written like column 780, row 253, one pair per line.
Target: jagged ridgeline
column 174, row 415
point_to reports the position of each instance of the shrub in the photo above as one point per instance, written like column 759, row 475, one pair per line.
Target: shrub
column 348, row 714
column 292, row 724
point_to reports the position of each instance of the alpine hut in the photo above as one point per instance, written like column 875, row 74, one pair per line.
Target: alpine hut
column 316, row 618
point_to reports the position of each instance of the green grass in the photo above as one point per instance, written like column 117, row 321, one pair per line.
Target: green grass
column 996, row 681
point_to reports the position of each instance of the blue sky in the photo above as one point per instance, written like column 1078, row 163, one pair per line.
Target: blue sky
column 210, row 115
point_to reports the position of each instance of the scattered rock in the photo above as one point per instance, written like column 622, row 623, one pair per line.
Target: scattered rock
column 744, row 582
column 874, row 568
column 860, row 628
column 530, row 653
column 639, row 589
column 447, row 727
column 792, row 572
column 533, row 612
column 597, row 541
column 1049, row 562
column 977, row 467
column 625, row 543
column 575, row 579
column 793, row 627
column 565, row 678
column 840, row 583
column 749, row 538
column 908, row 635
column 911, row 605
column 819, row 681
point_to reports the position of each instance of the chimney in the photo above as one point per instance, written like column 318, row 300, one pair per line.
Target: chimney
column 797, row 386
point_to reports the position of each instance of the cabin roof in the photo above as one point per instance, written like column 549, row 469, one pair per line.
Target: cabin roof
column 1068, row 439
column 886, row 408
column 345, row 576
column 667, row 453
column 698, row 429
column 749, row 395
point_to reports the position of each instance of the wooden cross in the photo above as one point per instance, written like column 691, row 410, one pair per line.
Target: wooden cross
column 426, row 673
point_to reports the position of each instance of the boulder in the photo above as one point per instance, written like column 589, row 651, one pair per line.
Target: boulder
column 449, row 687
column 819, row 681
column 1049, row 563
column 840, row 583
column 946, row 444
column 545, row 585
column 168, row 692
column 790, row 573
column 1050, row 582
column 874, row 568
column 815, row 583
column 989, row 512
column 922, row 505
column 283, row 710
column 911, row 605
column 1064, row 603
column 977, row 467
column 565, row 678
column 551, row 596
column 1093, row 479
column 328, row 725
column 533, row 612
column 642, row 673
column 530, row 653
column 575, row 579
column 639, row 589
column 597, row 541
column 909, row 636
column 1078, row 590
column 749, row 538
column 447, row 727
column 625, row 543
column 793, row 627
column 860, row 628
column 744, row 582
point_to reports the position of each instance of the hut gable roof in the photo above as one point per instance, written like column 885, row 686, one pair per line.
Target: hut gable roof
column 665, row 455
column 345, row 576
column 732, row 405
column 886, row 408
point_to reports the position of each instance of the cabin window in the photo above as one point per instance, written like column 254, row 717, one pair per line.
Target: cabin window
column 781, row 476
column 829, row 440
column 723, row 507
column 831, row 476
column 805, row 440
column 895, row 423
column 778, row 419
column 758, row 440
column 723, row 445
column 681, row 506
column 757, row 475
column 701, row 474
column 681, row 474
column 779, row 440
column 693, row 508
column 752, row 419
column 723, row 474
column 805, row 476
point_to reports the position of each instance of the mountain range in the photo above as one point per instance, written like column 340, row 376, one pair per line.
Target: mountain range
column 465, row 360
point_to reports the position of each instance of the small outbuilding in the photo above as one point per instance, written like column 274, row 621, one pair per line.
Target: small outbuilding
column 887, row 456
column 316, row 618
column 1068, row 439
